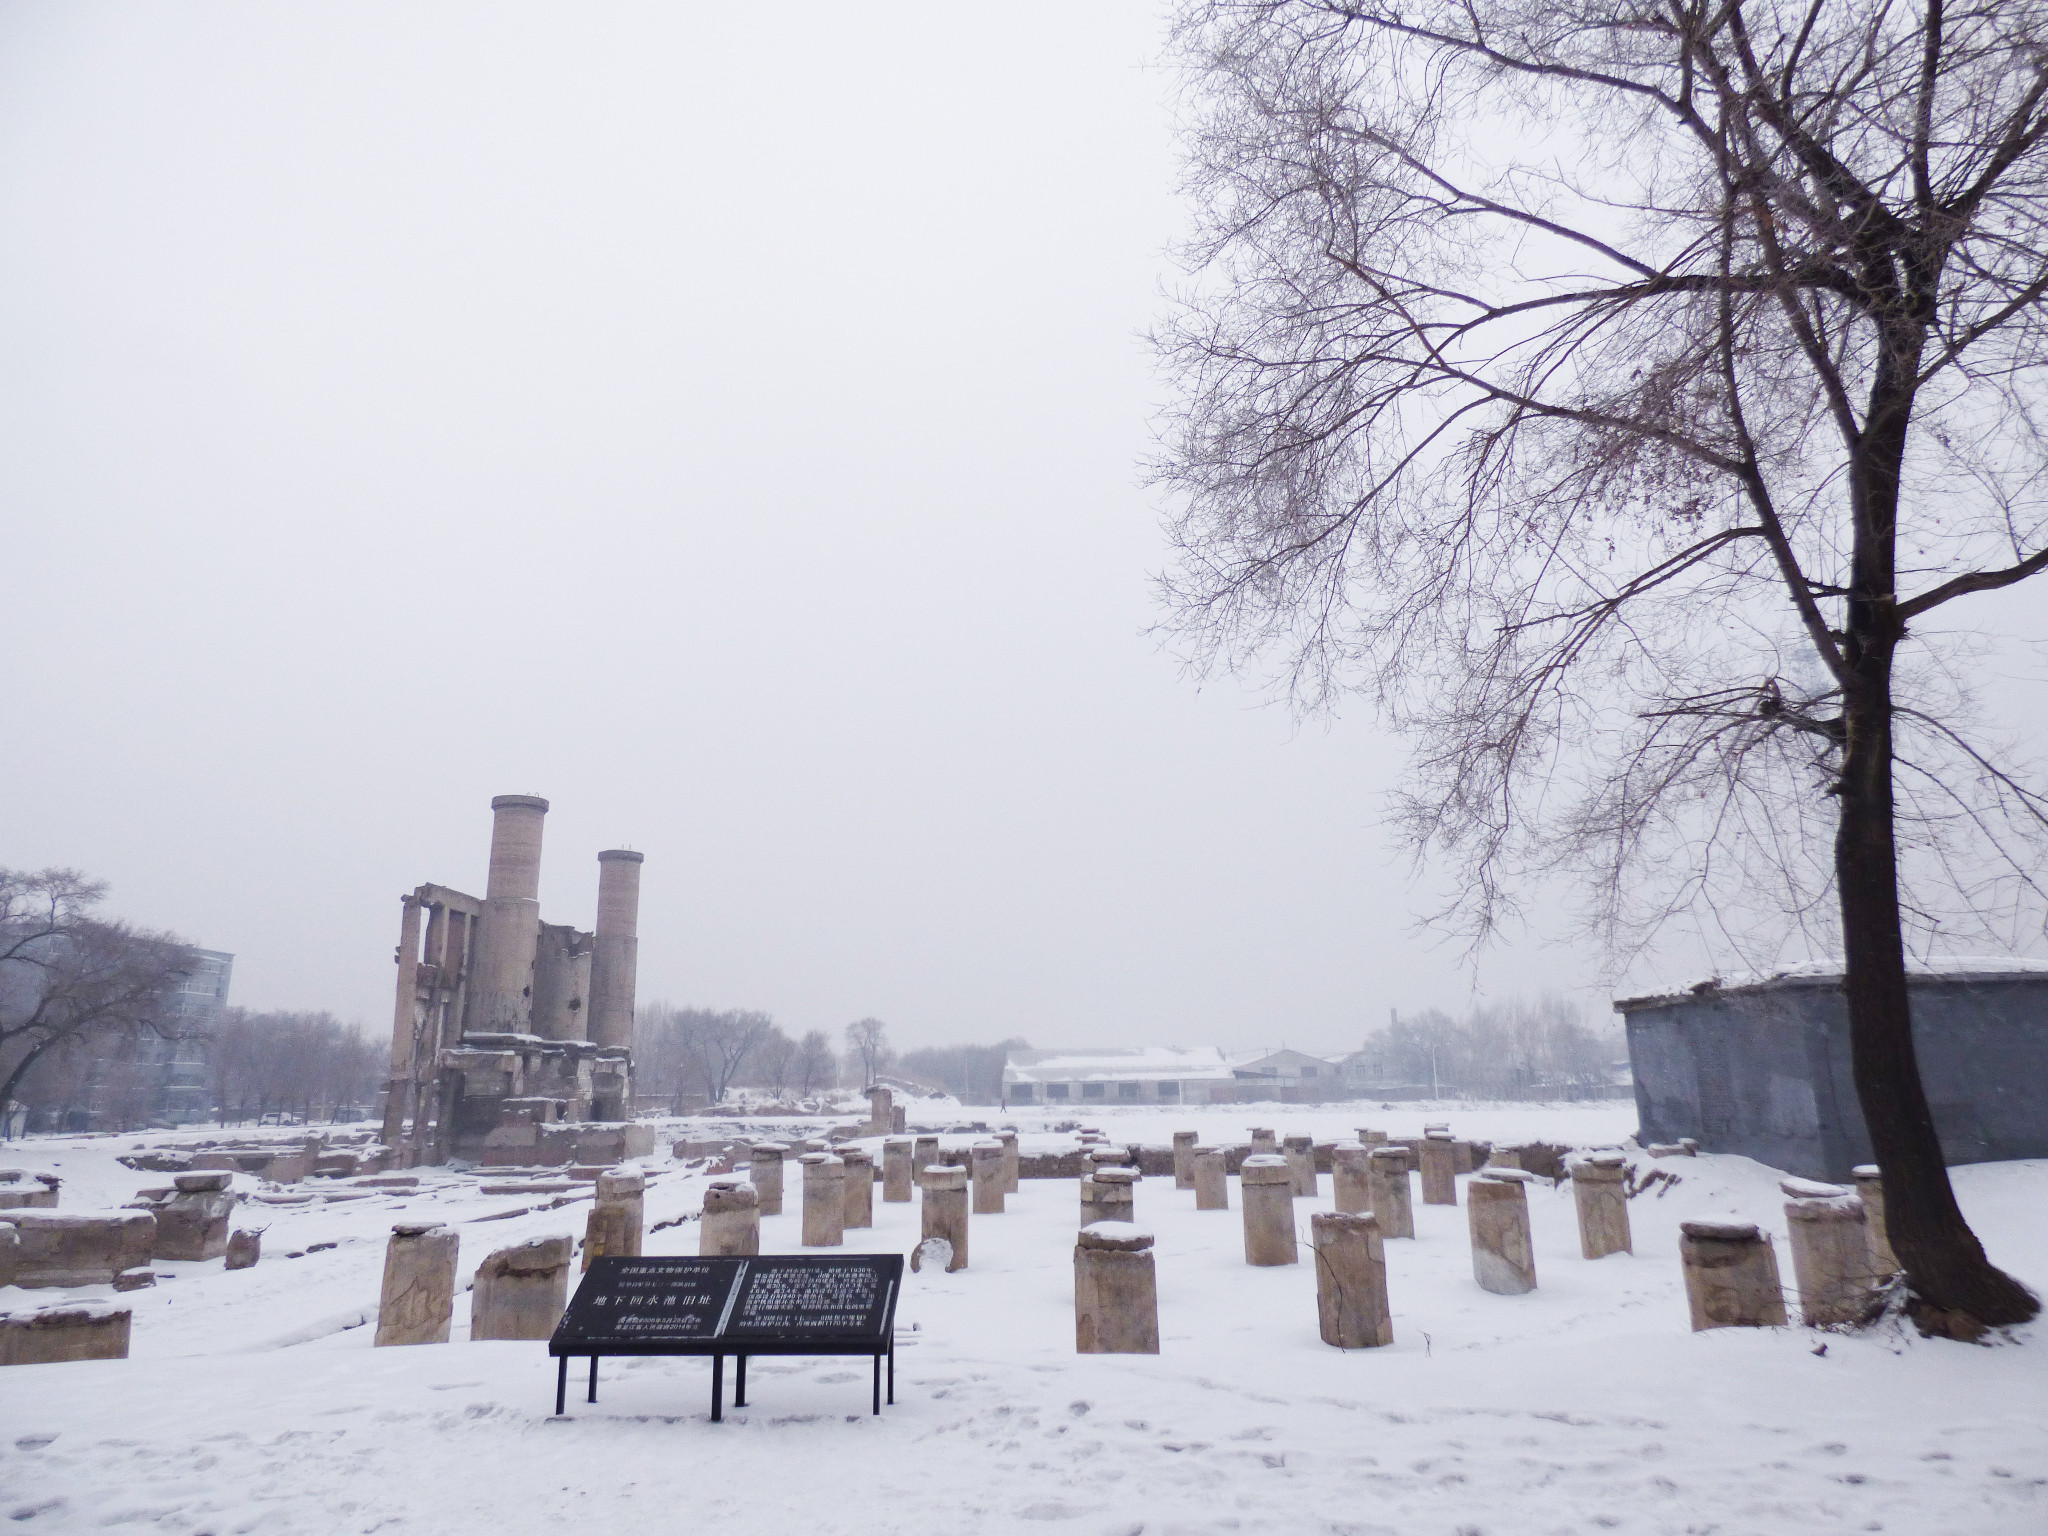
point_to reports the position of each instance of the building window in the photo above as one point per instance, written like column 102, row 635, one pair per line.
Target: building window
column 1127, row 1090
column 1169, row 1090
column 1307, row 1070
column 1021, row 1092
column 1091, row 1090
column 1055, row 1090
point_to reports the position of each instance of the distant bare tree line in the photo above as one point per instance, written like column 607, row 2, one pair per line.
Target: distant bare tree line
column 1496, row 1050
column 308, row 1064
column 680, row 1053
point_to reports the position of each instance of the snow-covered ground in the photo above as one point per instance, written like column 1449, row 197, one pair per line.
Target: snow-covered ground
column 250, row 1405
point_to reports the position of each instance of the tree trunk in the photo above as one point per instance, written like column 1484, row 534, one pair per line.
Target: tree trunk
column 1956, row 1290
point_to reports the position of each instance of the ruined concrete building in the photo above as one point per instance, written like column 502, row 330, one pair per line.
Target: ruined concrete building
column 508, row 1027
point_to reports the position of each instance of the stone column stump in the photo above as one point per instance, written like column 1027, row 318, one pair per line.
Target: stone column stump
column 896, row 1181
column 766, row 1174
column 944, row 1212
column 986, row 1165
column 1830, row 1259
column 1012, row 1165
column 1351, row 1280
column 1264, row 1141
column 1350, row 1178
column 1386, row 1183
column 860, row 1187
column 1184, row 1159
column 1870, row 1190
column 1267, row 1186
column 419, row 1284
column 1497, row 1206
column 1731, row 1276
column 1601, row 1195
column 1439, row 1169
column 1109, row 1194
column 1300, row 1152
column 1116, row 1294
column 521, row 1292
column 730, row 1227
column 924, row 1154
column 824, row 1200
column 193, row 1223
column 1371, row 1138
column 898, row 1119
column 1212, row 1179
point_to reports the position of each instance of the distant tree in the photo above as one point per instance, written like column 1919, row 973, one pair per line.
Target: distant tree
column 309, row 1064
column 708, row 1047
column 817, row 1066
column 74, row 984
column 973, row 1074
column 868, row 1040
column 773, row 1058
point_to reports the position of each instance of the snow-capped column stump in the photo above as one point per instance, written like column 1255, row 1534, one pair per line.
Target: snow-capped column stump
column 1300, row 1152
column 1386, row 1186
column 1109, row 1194
column 1464, row 1157
column 766, row 1175
column 1830, row 1259
column 1438, row 1157
column 1870, row 1190
column 896, row 1182
column 945, row 1213
column 1266, row 1187
column 924, row 1154
column 1011, row 1163
column 986, row 1165
column 1731, row 1275
column 859, row 1187
column 1212, row 1179
column 626, row 1191
column 730, row 1227
column 1184, row 1159
column 193, row 1223
column 64, row 1331
column 67, row 1248
column 1599, row 1192
column 1371, row 1138
column 244, row 1248
column 899, row 1119
column 1350, row 1179
column 1497, row 1206
column 521, row 1291
column 881, row 1111
column 1116, row 1293
column 1505, row 1157
column 1351, row 1280
column 1264, row 1141
column 824, row 1200
column 419, row 1284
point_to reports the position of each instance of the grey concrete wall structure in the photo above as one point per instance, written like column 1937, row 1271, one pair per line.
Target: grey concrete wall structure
column 615, row 949
column 731, row 1224
column 501, row 977
column 520, row 1292
column 1763, row 1070
column 1351, row 1280
column 1116, row 1291
column 1731, row 1275
column 418, row 1300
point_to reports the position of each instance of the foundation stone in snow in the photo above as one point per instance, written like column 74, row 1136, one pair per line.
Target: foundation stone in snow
column 1503, row 1257
column 1438, row 1156
column 1601, row 1198
column 1300, row 1152
column 1209, row 1169
column 986, row 1164
column 1731, row 1276
column 1350, row 1178
column 1266, row 1186
column 731, row 1224
column 944, row 1211
column 418, row 1299
column 520, row 1292
column 1351, row 1280
column 767, row 1176
column 1184, row 1158
column 63, row 1332
column 824, row 1200
column 896, row 1166
column 1386, row 1176
column 68, row 1248
column 245, row 1248
column 1870, row 1190
column 1830, row 1259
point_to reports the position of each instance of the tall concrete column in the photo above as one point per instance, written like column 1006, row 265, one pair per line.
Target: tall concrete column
column 615, row 956
column 501, row 978
column 404, row 1023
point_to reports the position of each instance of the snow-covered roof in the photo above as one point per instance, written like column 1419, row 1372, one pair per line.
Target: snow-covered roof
column 1824, row 972
column 1181, row 1063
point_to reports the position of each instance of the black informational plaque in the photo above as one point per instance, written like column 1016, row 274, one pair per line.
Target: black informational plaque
column 783, row 1304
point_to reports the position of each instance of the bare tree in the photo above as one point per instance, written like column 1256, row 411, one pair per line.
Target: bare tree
column 72, row 982
column 869, row 1040
column 710, row 1047
column 773, row 1058
column 1616, row 393
column 817, row 1065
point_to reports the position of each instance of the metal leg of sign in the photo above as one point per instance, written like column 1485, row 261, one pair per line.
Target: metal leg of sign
column 562, row 1386
column 593, row 1378
column 739, row 1384
column 717, row 1388
column 892, row 1370
column 878, row 1384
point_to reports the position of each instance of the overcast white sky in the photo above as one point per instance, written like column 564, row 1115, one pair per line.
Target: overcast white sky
column 723, row 420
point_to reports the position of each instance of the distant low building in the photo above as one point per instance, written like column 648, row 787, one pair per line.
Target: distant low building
column 1099, row 1078
column 1284, row 1075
